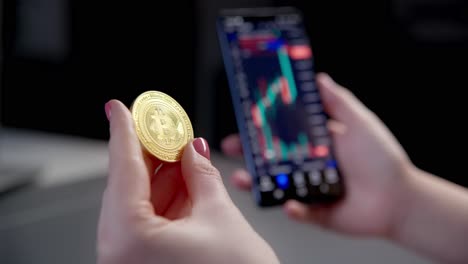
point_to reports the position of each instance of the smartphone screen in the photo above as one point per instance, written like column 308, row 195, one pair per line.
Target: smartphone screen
column 280, row 116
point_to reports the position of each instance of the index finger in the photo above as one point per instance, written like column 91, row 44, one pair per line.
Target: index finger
column 129, row 178
column 231, row 145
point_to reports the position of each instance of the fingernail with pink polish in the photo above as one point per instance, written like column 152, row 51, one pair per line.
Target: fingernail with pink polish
column 201, row 146
column 107, row 108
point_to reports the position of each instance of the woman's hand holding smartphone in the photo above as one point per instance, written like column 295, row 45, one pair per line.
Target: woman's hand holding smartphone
column 374, row 164
column 387, row 195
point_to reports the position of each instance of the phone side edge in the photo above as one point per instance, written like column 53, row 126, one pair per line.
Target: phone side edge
column 235, row 100
column 259, row 11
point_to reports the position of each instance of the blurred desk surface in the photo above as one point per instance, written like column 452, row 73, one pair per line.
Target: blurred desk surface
column 60, row 159
column 54, row 221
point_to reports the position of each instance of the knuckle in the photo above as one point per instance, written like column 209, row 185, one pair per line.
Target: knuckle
column 133, row 160
column 137, row 216
column 208, row 171
column 124, row 163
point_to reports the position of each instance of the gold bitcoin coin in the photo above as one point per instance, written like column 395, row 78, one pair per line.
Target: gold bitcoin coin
column 162, row 125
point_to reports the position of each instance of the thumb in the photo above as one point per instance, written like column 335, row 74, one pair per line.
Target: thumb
column 339, row 102
column 203, row 180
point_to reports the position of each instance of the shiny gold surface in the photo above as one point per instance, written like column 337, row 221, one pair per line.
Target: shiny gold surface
column 162, row 125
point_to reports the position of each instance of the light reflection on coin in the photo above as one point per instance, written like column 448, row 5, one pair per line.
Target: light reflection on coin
column 162, row 125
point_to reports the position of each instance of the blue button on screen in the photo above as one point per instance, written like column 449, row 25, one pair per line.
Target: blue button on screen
column 282, row 181
column 331, row 163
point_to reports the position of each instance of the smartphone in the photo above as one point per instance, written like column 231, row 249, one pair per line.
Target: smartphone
column 280, row 117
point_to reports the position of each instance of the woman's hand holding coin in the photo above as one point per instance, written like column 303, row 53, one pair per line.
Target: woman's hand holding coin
column 179, row 212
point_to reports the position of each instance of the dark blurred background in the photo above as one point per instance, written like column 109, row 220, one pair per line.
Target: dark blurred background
column 406, row 59
column 62, row 60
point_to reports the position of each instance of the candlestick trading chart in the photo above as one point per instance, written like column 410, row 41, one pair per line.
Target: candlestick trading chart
column 279, row 118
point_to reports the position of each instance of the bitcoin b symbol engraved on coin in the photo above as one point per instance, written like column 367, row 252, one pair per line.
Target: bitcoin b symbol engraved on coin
column 162, row 125
column 166, row 128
